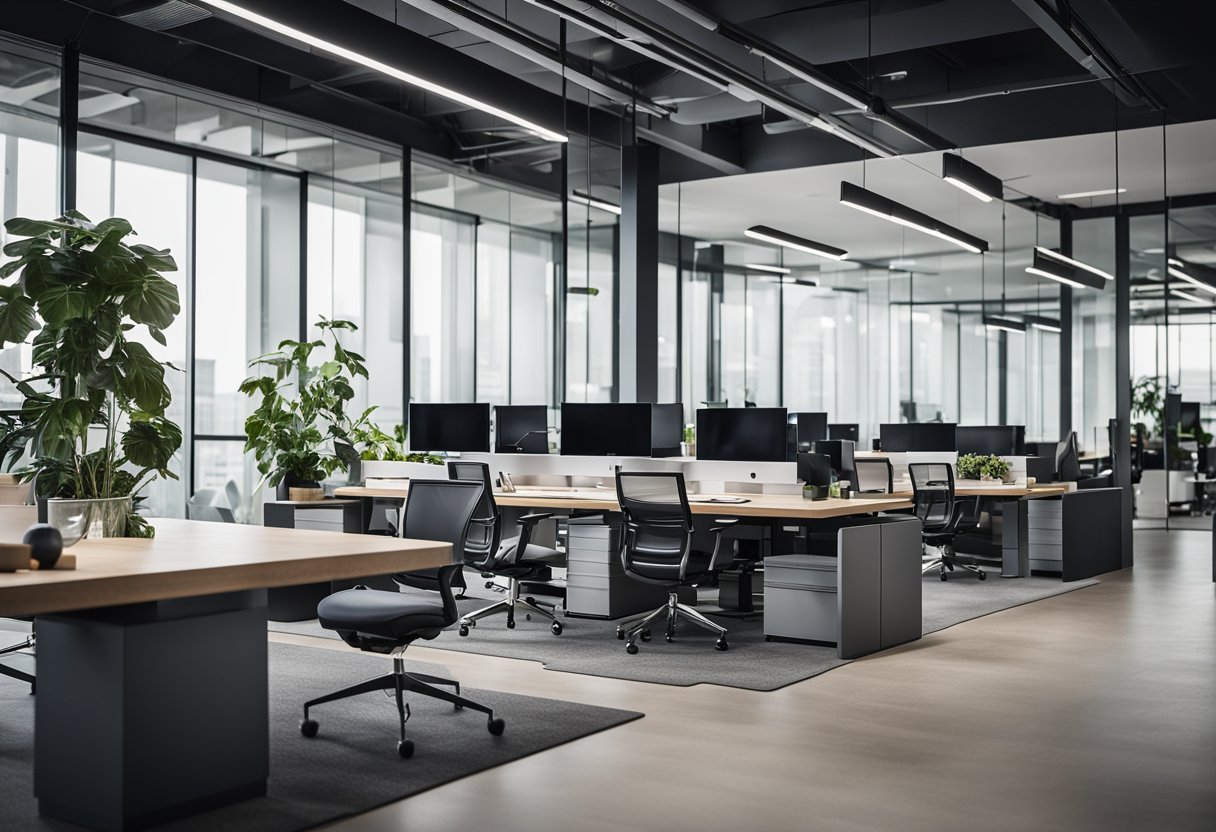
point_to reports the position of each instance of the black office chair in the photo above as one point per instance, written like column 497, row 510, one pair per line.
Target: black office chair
column 24, row 646
column 656, row 548
column 517, row 559
column 940, row 514
column 875, row 475
column 387, row 622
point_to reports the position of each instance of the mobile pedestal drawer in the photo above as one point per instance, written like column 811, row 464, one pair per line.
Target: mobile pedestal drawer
column 596, row 584
column 800, row 597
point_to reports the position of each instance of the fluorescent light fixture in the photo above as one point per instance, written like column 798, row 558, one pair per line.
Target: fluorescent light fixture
column 1076, row 264
column 970, row 177
column 595, row 202
column 1194, row 281
column 590, row 291
column 1054, row 269
column 858, row 197
column 1040, row 322
column 757, row 267
column 1083, row 194
column 1003, row 323
column 236, row 10
column 780, row 238
column 1178, row 293
column 1175, row 262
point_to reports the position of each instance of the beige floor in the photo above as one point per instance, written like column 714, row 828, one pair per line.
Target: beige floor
column 1092, row 710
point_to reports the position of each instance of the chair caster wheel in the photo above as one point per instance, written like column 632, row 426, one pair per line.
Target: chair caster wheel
column 631, row 649
column 644, row 635
column 489, row 584
column 943, row 576
column 527, row 616
column 405, row 748
column 620, row 635
column 496, row 726
column 464, row 629
column 308, row 728
column 983, row 576
column 670, row 638
column 510, row 625
column 556, row 627
column 721, row 646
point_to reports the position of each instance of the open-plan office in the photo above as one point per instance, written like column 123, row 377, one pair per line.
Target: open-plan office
column 540, row 414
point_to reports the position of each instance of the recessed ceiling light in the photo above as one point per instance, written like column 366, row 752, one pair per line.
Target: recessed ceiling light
column 236, row 10
column 1083, row 194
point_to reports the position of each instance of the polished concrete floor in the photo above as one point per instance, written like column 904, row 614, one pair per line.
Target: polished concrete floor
column 1091, row 710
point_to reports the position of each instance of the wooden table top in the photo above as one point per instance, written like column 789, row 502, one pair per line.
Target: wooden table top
column 790, row 506
column 1052, row 489
column 189, row 558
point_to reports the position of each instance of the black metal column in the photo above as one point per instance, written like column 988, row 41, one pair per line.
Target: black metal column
column 69, row 122
column 1123, row 373
column 638, row 292
column 407, row 232
column 1065, row 335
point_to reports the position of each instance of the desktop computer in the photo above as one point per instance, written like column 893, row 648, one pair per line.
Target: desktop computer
column 449, row 427
column 605, row 429
column 748, row 434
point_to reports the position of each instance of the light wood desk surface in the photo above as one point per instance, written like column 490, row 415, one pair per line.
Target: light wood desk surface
column 189, row 558
column 788, row 506
column 1053, row 489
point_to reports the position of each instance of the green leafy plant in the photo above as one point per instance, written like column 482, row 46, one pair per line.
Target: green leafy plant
column 374, row 444
column 1148, row 402
column 93, row 415
column 302, row 406
column 978, row 466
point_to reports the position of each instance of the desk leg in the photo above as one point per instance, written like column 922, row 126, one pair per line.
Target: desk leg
column 1015, row 543
column 151, row 712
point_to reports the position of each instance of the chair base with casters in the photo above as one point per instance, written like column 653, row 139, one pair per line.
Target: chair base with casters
column 947, row 562
column 401, row 683
column 638, row 627
column 509, row 606
column 13, row 673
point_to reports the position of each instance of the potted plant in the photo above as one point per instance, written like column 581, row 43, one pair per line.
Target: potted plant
column 1148, row 403
column 93, row 415
column 370, row 443
column 980, row 467
column 302, row 411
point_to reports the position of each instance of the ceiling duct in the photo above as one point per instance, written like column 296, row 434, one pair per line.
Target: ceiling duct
column 159, row 15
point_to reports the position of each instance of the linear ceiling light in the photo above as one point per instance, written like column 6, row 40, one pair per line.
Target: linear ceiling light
column 757, row 267
column 1194, row 281
column 858, row 197
column 1192, row 298
column 780, row 238
column 970, row 177
column 1060, row 272
column 1003, row 323
column 1076, row 264
column 334, row 49
column 1045, row 324
column 595, row 202
column 1083, row 194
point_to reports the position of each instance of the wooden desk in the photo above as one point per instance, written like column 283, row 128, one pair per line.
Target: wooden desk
column 152, row 662
column 782, row 506
column 1003, row 491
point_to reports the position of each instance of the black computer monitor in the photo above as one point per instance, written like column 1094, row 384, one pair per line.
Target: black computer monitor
column 666, row 429
column 605, row 429
column 521, row 429
column 1188, row 417
column 997, row 440
column 844, row 431
column 1173, row 410
column 449, row 427
column 840, row 451
column 811, row 427
column 749, row 434
column 815, row 469
column 920, row 436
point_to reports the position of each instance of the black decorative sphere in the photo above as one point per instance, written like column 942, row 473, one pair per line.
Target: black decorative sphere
column 45, row 542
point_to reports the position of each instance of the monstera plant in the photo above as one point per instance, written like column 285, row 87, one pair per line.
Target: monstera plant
column 92, row 420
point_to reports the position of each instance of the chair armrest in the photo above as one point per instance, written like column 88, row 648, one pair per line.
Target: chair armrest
column 722, row 524
column 533, row 519
column 720, row 557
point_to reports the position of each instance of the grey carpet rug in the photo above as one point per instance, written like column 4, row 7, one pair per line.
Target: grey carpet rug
column 590, row 647
column 352, row 765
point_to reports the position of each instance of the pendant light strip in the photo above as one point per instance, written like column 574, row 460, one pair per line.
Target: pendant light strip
column 870, row 202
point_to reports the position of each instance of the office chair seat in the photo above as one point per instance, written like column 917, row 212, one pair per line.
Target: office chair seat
column 385, row 615
column 666, row 571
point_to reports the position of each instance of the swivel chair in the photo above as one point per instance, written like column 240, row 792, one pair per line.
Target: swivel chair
column 26, row 646
column 387, row 622
column 656, row 548
column 518, row 559
column 940, row 514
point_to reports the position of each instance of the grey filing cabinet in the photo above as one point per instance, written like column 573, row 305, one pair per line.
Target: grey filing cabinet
column 299, row 603
column 596, row 583
column 866, row 598
column 1045, row 535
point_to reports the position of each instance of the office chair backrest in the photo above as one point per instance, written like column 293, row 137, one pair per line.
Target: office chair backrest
column 485, row 532
column 1068, row 466
column 932, row 493
column 657, row 517
column 201, row 506
column 233, row 495
column 443, row 510
column 874, row 475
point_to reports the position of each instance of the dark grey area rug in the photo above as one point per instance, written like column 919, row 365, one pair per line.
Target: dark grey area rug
column 590, row 647
column 352, row 765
